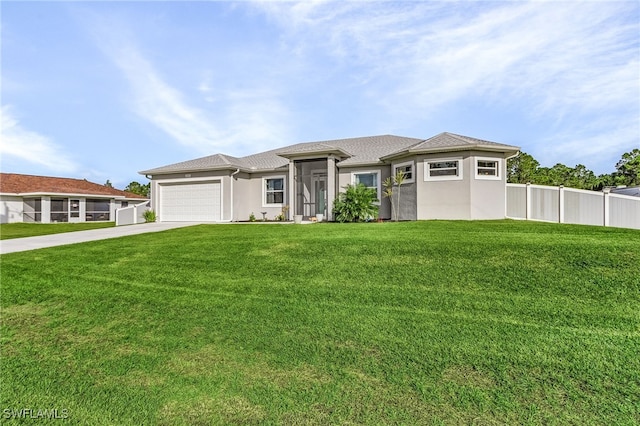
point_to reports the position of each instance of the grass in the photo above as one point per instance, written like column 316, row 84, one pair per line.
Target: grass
column 396, row 323
column 21, row 230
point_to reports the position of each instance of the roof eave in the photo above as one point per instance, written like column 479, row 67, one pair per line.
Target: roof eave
column 156, row 172
column 361, row 164
column 269, row 169
column 478, row 147
column 310, row 154
column 68, row 194
column 396, row 155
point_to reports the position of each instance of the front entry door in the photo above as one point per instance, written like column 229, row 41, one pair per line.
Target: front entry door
column 320, row 194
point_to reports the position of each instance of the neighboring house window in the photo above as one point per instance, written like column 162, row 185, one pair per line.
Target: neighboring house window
column 59, row 210
column 487, row 168
column 443, row 169
column 273, row 191
column 407, row 169
column 97, row 210
column 32, row 210
column 370, row 179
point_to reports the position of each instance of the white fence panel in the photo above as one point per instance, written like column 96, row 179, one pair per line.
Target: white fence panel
column 131, row 215
column 516, row 201
column 583, row 207
column 568, row 205
column 624, row 211
column 125, row 216
column 140, row 209
column 544, row 203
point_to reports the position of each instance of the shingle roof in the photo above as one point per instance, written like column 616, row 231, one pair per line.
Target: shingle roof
column 358, row 151
column 450, row 141
column 369, row 150
column 633, row 191
column 210, row 162
column 13, row 183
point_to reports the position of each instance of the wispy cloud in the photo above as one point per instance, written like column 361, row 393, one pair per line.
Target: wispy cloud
column 556, row 62
column 30, row 146
column 562, row 54
column 231, row 121
column 163, row 105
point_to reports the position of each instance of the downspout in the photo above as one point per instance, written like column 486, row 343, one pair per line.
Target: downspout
column 232, row 199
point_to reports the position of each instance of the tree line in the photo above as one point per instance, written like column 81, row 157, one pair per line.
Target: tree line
column 523, row 168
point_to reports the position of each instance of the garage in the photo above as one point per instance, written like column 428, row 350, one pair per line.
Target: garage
column 190, row 202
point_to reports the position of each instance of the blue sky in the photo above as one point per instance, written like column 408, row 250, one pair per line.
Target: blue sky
column 101, row 90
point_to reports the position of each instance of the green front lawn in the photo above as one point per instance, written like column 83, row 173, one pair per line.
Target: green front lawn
column 395, row 323
column 21, row 230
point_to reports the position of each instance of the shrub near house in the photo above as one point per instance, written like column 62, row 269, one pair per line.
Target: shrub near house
column 356, row 204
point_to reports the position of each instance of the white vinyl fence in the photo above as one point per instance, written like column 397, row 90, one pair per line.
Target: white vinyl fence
column 568, row 205
column 132, row 214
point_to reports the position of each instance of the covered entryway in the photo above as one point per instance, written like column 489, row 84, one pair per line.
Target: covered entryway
column 190, row 202
column 311, row 187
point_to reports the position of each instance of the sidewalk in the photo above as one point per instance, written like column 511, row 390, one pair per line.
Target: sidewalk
column 43, row 241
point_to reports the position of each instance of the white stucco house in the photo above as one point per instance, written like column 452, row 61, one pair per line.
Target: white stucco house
column 449, row 176
column 45, row 199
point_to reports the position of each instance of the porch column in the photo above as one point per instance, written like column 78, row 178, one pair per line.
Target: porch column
column 331, row 185
column 292, row 190
column 45, row 209
column 112, row 210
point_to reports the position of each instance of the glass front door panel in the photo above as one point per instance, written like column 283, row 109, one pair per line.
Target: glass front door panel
column 321, row 196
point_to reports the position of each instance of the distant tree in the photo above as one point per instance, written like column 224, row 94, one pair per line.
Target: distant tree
column 628, row 168
column 606, row 180
column 578, row 177
column 108, row 184
column 138, row 188
column 552, row 176
column 522, row 168
column 582, row 178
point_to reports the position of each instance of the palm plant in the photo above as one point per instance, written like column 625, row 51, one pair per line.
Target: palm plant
column 389, row 191
column 149, row 216
column 356, row 204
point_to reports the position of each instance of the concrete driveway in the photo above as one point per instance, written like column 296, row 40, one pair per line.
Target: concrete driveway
column 43, row 241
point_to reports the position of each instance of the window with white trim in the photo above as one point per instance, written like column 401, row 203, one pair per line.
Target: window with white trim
column 407, row 169
column 370, row 179
column 273, row 195
column 97, row 210
column 443, row 169
column 487, row 168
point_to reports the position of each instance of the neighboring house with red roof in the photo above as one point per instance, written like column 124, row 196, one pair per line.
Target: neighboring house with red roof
column 27, row 198
column 448, row 176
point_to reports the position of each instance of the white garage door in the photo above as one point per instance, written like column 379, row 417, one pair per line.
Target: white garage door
column 190, row 202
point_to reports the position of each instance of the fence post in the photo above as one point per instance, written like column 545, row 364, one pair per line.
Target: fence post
column 606, row 205
column 561, row 204
column 527, row 198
